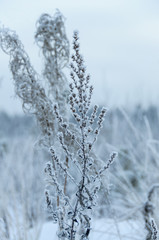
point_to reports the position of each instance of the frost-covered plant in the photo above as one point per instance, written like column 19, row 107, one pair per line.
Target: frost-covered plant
column 52, row 40
column 73, row 209
column 74, row 173
column 27, row 82
column 148, row 213
column 154, row 230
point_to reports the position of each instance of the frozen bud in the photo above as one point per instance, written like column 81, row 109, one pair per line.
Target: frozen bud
column 104, row 110
column 73, row 57
column 96, row 131
column 89, row 129
column 89, row 146
column 71, row 86
column 52, row 151
column 75, row 35
column 88, row 77
column 70, row 214
column 91, row 89
column 64, row 125
column 48, row 201
column 54, row 217
column 114, row 155
column 48, row 169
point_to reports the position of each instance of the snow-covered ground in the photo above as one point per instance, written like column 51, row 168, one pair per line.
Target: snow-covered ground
column 103, row 229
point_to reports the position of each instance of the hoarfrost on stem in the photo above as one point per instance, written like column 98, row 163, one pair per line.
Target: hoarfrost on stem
column 82, row 169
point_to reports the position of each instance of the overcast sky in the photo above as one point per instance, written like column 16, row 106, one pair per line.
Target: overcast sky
column 119, row 42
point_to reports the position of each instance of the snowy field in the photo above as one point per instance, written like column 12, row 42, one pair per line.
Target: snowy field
column 103, row 229
column 129, row 189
